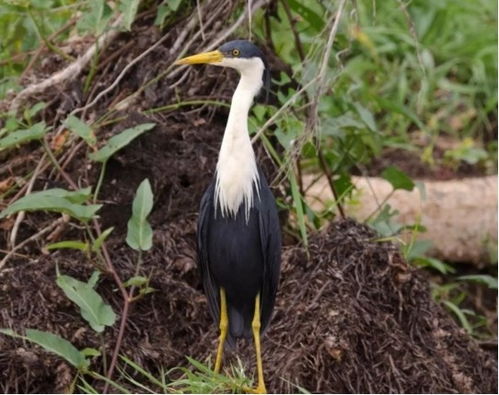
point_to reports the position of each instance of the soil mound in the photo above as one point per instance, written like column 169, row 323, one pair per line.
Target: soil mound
column 353, row 317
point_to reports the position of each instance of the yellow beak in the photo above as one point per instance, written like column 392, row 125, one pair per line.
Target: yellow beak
column 205, row 57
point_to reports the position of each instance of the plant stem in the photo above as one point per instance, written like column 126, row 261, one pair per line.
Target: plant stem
column 93, row 69
column 103, row 350
column 56, row 164
column 137, row 269
column 99, row 182
column 325, row 169
column 126, row 305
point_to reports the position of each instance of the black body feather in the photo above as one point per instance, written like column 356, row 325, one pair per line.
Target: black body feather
column 242, row 256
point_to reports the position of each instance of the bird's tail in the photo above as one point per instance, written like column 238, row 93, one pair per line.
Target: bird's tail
column 239, row 326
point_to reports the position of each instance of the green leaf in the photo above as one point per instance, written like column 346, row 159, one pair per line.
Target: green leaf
column 460, row 315
column 54, row 344
column 72, row 244
column 314, row 19
column 366, row 116
column 416, row 249
column 433, row 263
column 486, row 279
column 147, row 290
column 166, row 8
column 81, row 129
column 58, row 200
column 136, row 281
column 384, row 223
column 174, row 4
column 35, row 132
column 139, row 236
column 343, row 185
column 9, row 332
column 129, row 10
column 100, row 240
column 79, row 196
column 259, row 112
column 397, row 178
column 59, row 346
column 92, row 307
column 119, row 141
column 30, row 113
column 163, row 11
column 95, row 18
column 12, row 124
column 91, row 352
column 92, row 281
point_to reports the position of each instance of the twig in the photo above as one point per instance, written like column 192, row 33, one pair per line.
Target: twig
column 121, row 75
column 296, row 36
column 175, row 50
column 329, row 177
column 124, row 103
column 56, row 164
column 249, row 20
column 200, row 17
column 21, row 214
column 312, row 119
column 70, row 72
column 301, row 54
column 31, row 238
column 276, row 115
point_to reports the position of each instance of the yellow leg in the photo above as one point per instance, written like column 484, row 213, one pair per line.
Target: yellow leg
column 256, row 325
column 224, row 325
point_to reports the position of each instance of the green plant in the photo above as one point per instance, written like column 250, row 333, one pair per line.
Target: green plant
column 93, row 309
column 75, row 204
column 455, row 298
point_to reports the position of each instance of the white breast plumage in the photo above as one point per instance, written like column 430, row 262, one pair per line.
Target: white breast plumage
column 237, row 172
column 236, row 176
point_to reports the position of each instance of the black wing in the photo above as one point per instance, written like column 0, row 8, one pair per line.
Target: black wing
column 270, row 237
column 210, row 289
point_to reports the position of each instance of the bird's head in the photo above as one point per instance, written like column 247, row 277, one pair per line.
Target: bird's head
column 241, row 55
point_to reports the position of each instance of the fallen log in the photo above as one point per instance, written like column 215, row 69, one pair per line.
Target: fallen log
column 460, row 215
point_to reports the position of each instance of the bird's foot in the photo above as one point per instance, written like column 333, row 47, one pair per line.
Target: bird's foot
column 258, row 390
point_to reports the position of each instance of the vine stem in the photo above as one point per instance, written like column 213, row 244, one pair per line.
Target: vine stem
column 124, row 312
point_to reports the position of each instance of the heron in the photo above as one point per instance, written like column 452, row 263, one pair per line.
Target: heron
column 238, row 235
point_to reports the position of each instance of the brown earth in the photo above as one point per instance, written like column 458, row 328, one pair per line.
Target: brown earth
column 350, row 317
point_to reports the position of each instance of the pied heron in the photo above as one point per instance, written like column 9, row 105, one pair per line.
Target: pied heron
column 239, row 238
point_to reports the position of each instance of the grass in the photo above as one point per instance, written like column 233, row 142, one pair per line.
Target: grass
column 198, row 378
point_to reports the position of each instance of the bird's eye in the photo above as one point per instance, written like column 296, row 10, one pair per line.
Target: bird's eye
column 235, row 52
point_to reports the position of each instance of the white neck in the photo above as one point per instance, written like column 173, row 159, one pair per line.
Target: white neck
column 237, row 172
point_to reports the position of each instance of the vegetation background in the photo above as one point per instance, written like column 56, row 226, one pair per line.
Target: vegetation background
column 353, row 81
